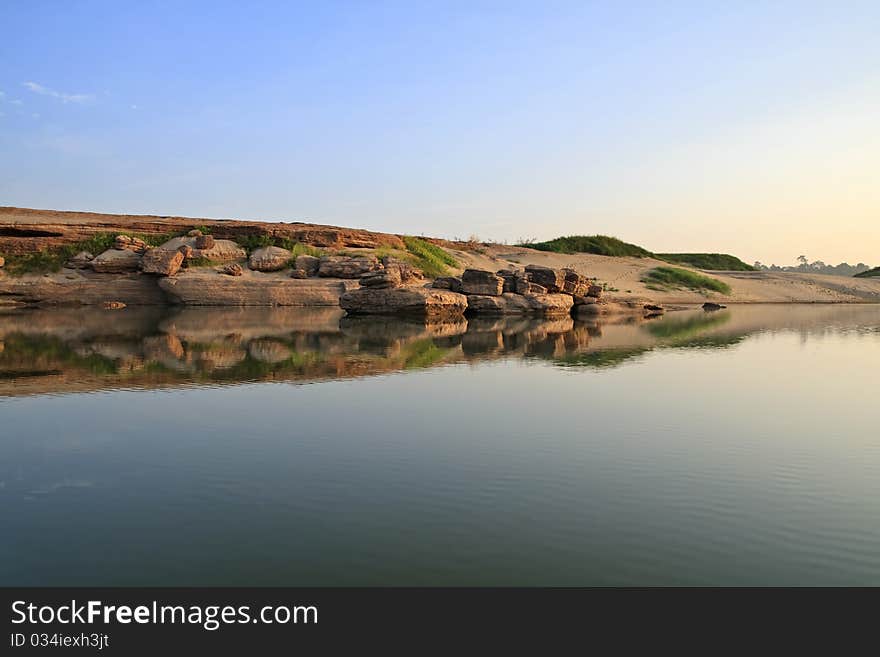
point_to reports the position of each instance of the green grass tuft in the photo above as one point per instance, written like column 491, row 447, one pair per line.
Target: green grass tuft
column 251, row 243
column 52, row 260
column 430, row 258
column 596, row 244
column 666, row 278
column 709, row 261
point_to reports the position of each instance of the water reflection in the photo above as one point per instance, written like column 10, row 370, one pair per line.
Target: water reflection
column 738, row 447
column 75, row 350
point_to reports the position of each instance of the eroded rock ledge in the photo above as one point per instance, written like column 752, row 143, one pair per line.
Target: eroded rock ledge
column 533, row 291
column 212, row 289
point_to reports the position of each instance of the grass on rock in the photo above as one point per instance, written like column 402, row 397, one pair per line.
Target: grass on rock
column 52, row 260
column 430, row 258
column 251, row 243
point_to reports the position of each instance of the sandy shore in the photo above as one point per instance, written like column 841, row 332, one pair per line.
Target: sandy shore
column 623, row 278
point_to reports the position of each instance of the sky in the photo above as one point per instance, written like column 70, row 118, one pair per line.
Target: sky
column 750, row 128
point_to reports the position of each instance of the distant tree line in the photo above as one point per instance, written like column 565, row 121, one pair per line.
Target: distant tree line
column 817, row 267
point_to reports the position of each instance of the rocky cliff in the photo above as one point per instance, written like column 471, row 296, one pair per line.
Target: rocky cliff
column 24, row 230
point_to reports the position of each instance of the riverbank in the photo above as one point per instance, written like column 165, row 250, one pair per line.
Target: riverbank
column 623, row 280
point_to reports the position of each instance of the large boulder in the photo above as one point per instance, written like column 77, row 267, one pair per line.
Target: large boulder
column 81, row 260
column 125, row 242
column 525, row 286
column 575, row 284
column 479, row 281
column 221, row 251
column 269, row 258
column 116, row 261
column 203, row 242
column 551, row 279
column 518, row 304
column 420, row 301
column 162, row 262
column 451, row 283
column 408, row 273
column 382, row 278
column 347, row 266
column 510, row 277
column 308, row 264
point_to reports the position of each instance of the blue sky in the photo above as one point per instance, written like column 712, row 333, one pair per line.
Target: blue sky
column 744, row 127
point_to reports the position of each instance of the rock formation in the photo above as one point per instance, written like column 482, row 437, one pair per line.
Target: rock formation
column 203, row 242
column 519, row 304
column 206, row 288
column 220, row 251
column 29, row 231
column 535, row 290
column 308, row 264
column 408, row 273
column 81, row 260
column 116, row 261
column 422, row 301
column 347, row 266
column 550, row 279
column 382, row 278
column 451, row 283
column 479, row 281
column 269, row 258
column 162, row 262
column 125, row 242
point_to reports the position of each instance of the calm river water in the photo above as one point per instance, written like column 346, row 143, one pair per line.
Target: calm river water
column 258, row 446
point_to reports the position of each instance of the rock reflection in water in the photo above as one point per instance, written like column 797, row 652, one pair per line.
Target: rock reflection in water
column 67, row 350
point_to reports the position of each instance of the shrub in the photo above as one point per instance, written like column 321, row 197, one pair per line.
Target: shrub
column 871, row 273
column 596, row 244
column 710, row 261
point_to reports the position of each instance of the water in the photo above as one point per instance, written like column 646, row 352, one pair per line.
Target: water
column 283, row 447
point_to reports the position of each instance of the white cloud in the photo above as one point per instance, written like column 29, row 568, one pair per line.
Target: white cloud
column 16, row 101
column 60, row 95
